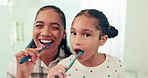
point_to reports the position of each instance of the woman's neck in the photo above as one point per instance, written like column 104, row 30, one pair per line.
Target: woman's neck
column 48, row 57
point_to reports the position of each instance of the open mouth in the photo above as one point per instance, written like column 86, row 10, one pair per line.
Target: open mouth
column 78, row 50
column 45, row 42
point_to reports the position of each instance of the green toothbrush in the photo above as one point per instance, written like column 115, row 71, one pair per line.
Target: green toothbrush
column 70, row 65
column 28, row 57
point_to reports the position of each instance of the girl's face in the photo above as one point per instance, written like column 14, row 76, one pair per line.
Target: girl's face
column 48, row 27
column 85, row 36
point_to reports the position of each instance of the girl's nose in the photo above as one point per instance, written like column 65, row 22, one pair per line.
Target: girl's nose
column 78, row 40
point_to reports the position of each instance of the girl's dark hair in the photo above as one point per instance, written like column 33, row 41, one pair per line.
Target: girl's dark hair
column 63, row 43
column 102, row 22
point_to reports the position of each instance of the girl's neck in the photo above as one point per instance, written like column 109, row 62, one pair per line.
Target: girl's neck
column 96, row 60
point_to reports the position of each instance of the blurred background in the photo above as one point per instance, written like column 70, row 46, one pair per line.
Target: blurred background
column 128, row 16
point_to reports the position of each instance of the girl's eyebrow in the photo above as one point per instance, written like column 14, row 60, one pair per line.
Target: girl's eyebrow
column 87, row 30
column 72, row 28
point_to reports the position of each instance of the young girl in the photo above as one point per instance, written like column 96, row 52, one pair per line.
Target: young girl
column 90, row 29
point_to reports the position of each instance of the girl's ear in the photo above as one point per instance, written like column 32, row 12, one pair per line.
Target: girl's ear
column 103, row 40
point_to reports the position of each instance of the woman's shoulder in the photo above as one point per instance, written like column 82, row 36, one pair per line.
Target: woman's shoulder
column 11, row 69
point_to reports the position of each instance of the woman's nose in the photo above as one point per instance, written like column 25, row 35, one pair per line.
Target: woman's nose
column 46, row 32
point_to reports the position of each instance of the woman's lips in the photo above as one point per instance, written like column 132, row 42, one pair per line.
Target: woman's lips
column 45, row 42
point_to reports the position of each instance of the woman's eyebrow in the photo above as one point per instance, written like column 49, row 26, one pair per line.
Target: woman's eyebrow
column 55, row 24
column 39, row 22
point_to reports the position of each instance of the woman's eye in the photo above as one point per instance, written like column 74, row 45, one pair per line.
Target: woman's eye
column 55, row 28
column 39, row 26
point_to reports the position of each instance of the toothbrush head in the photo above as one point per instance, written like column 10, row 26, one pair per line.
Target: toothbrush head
column 80, row 52
column 70, row 65
column 49, row 43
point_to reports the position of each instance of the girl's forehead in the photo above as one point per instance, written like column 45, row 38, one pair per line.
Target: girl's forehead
column 84, row 21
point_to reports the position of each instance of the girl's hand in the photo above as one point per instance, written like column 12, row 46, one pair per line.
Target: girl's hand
column 24, row 70
column 58, row 70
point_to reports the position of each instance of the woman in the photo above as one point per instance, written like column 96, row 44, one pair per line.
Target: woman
column 49, row 26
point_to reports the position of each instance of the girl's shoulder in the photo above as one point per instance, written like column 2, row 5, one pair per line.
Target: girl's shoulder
column 67, row 60
column 113, row 60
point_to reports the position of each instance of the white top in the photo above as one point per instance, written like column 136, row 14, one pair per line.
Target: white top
column 112, row 67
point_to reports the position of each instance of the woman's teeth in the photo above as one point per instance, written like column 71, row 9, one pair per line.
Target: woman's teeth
column 46, row 41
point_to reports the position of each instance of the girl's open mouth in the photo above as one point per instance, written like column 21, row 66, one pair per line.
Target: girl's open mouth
column 77, row 51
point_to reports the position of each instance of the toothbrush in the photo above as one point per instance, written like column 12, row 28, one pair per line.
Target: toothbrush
column 70, row 65
column 29, row 57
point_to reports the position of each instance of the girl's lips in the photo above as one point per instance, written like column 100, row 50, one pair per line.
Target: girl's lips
column 80, row 56
column 76, row 51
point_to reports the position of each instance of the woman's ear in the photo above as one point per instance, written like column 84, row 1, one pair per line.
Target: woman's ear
column 64, row 35
column 103, row 40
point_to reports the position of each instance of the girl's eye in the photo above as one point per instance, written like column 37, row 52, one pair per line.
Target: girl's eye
column 87, row 35
column 73, row 33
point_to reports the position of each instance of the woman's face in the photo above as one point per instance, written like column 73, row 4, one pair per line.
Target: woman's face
column 84, row 36
column 48, row 27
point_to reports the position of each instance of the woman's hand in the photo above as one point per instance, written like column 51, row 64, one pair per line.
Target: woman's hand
column 58, row 70
column 24, row 70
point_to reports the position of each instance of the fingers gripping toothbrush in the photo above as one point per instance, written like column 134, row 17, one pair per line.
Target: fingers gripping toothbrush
column 29, row 57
